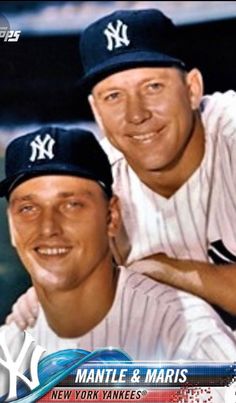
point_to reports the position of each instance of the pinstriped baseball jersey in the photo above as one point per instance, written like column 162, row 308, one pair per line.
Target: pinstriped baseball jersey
column 150, row 321
column 198, row 221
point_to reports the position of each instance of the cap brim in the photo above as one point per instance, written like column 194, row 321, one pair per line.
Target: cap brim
column 9, row 184
column 125, row 61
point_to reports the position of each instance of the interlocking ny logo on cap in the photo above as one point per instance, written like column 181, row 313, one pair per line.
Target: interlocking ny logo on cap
column 116, row 36
column 42, row 148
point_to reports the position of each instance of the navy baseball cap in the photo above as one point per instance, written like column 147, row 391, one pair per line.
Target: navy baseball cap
column 127, row 39
column 54, row 150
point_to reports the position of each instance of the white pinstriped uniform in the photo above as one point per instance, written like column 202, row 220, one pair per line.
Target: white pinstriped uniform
column 150, row 321
column 198, row 221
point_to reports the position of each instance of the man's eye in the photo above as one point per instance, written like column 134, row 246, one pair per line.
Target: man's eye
column 112, row 96
column 155, row 86
column 74, row 205
column 26, row 209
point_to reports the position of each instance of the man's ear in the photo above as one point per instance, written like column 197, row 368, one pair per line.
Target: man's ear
column 114, row 217
column 96, row 113
column 195, row 84
column 11, row 229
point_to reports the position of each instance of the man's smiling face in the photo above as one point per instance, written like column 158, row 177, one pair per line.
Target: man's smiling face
column 59, row 226
column 146, row 113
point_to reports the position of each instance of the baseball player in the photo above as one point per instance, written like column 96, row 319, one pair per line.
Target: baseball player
column 62, row 214
column 172, row 154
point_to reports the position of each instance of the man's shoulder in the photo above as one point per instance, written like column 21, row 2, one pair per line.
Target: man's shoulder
column 113, row 154
column 9, row 332
column 13, row 336
column 160, row 292
column 225, row 98
column 218, row 114
column 179, row 302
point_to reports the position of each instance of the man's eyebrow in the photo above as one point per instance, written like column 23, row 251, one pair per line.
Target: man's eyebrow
column 118, row 87
column 21, row 198
column 109, row 89
column 83, row 193
column 64, row 194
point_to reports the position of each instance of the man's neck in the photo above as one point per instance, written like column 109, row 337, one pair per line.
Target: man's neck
column 166, row 182
column 75, row 312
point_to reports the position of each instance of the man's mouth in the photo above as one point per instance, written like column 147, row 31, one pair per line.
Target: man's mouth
column 144, row 138
column 52, row 251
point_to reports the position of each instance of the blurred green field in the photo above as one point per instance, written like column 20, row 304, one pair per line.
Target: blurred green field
column 13, row 278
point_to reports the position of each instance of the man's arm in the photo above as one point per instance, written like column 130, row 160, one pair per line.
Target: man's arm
column 214, row 283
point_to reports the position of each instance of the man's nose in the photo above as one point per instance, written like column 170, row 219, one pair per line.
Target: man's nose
column 137, row 111
column 50, row 223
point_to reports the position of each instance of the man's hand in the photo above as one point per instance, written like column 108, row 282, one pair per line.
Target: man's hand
column 25, row 310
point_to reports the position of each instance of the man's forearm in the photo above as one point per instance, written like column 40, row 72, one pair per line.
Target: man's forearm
column 215, row 284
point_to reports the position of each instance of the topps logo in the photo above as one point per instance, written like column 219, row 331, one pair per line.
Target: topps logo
column 9, row 35
column 6, row 33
